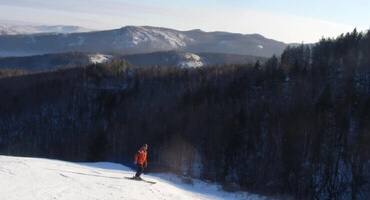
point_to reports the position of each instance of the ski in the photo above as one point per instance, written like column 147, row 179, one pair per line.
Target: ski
column 143, row 180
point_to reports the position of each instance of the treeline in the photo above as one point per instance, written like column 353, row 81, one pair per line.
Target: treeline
column 296, row 125
column 12, row 72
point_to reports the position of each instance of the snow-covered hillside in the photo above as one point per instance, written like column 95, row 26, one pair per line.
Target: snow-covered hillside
column 43, row 179
column 134, row 36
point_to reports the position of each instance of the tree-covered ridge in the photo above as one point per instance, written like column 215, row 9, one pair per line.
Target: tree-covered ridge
column 296, row 125
column 334, row 79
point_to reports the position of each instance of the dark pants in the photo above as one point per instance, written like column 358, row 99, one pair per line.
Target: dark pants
column 139, row 170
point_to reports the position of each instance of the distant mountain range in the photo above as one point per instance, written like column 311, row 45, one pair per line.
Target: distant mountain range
column 8, row 29
column 137, row 40
column 170, row 59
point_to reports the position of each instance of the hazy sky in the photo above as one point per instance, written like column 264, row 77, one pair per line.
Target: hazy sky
column 285, row 20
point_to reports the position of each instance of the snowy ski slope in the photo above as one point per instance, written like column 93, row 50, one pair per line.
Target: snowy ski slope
column 43, row 179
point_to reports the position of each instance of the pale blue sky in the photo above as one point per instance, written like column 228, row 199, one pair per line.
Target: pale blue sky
column 285, row 20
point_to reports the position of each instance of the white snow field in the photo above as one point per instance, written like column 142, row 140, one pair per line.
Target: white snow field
column 43, row 179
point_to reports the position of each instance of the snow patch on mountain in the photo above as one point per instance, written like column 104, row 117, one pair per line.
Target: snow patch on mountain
column 191, row 60
column 260, row 46
column 35, row 179
column 99, row 58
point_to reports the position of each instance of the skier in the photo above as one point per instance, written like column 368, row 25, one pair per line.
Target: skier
column 141, row 161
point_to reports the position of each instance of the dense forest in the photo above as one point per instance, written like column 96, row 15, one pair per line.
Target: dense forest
column 296, row 125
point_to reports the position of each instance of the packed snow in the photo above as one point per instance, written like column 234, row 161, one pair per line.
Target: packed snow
column 43, row 179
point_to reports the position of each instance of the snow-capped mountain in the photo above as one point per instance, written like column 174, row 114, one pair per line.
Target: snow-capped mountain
column 7, row 29
column 140, row 39
column 34, row 179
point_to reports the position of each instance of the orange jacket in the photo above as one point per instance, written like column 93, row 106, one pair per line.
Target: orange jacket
column 141, row 157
